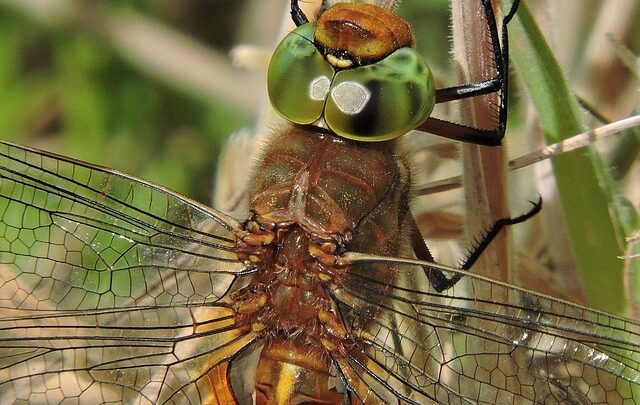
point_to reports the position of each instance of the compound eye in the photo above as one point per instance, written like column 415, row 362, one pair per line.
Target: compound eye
column 299, row 77
column 381, row 101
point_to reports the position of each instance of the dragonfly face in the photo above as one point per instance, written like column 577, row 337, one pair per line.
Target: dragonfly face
column 116, row 290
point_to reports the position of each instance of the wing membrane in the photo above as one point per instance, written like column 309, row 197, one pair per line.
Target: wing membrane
column 111, row 289
column 483, row 342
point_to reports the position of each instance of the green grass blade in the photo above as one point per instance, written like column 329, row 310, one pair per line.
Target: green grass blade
column 583, row 184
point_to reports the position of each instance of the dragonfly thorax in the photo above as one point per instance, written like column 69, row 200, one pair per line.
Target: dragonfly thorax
column 288, row 295
column 313, row 196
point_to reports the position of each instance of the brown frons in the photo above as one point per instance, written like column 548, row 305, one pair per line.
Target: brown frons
column 364, row 31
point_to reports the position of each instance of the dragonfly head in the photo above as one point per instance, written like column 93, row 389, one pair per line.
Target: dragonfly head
column 354, row 68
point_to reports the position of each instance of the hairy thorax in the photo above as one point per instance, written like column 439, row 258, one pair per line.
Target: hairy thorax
column 313, row 197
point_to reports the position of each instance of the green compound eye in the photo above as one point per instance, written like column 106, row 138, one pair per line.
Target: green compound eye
column 299, row 78
column 370, row 103
column 381, row 101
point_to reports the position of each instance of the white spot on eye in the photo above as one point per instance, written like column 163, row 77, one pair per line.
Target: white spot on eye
column 350, row 97
column 319, row 88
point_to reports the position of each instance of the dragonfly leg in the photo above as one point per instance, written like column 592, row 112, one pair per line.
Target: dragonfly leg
column 499, row 83
column 438, row 280
column 255, row 242
column 493, row 231
column 297, row 15
column 436, row 277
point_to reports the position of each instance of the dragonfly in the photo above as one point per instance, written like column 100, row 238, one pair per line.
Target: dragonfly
column 114, row 289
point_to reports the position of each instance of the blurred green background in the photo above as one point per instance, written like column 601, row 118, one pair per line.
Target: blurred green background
column 68, row 86
column 109, row 82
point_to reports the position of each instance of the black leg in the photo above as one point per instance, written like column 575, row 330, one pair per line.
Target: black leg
column 468, row 90
column 499, row 83
column 461, row 132
column 297, row 15
column 438, row 280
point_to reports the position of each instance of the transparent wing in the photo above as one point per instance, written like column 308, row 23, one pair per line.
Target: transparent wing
column 481, row 342
column 111, row 289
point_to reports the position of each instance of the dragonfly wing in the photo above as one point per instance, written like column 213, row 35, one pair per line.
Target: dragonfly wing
column 482, row 342
column 111, row 289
